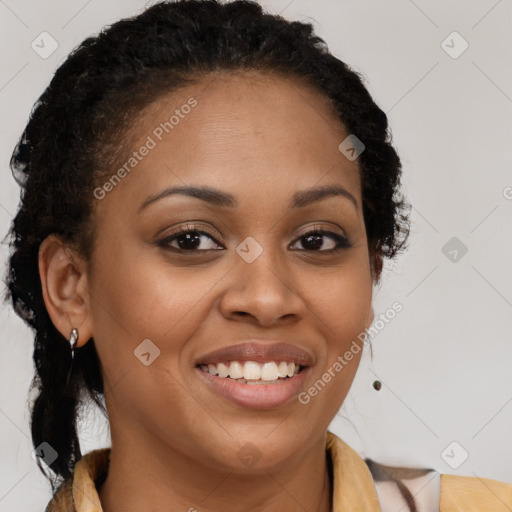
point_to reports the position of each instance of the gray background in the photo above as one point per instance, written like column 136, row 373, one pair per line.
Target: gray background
column 445, row 360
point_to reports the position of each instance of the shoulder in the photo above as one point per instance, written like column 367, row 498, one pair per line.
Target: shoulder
column 432, row 491
column 440, row 492
column 62, row 500
column 79, row 492
column 425, row 489
column 472, row 493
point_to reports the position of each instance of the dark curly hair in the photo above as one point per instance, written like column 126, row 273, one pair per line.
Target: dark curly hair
column 78, row 130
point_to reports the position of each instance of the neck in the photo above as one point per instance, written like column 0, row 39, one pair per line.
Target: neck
column 138, row 482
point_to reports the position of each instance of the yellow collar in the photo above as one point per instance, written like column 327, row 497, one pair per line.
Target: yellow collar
column 353, row 486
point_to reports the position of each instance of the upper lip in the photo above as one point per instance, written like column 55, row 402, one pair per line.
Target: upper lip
column 258, row 352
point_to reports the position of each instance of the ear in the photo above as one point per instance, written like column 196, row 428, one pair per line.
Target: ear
column 64, row 285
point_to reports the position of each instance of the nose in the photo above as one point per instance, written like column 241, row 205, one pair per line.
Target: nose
column 263, row 292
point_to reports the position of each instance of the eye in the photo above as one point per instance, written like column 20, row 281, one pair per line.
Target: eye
column 192, row 239
column 314, row 241
column 189, row 239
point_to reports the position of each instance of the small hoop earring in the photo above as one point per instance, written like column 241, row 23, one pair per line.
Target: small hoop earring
column 73, row 340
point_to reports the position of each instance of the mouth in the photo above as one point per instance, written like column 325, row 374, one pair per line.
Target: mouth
column 252, row 372
column 254, row 375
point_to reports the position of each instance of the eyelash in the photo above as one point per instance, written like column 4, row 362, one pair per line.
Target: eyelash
column 342, row 241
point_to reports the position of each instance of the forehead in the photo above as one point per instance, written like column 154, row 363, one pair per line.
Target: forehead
column 254, row 133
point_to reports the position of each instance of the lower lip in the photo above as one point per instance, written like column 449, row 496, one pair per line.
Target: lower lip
column 259, row 396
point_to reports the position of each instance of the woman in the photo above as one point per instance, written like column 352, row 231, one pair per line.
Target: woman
column 208, row 197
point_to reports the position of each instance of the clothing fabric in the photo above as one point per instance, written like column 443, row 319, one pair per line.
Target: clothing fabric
column 354, row 489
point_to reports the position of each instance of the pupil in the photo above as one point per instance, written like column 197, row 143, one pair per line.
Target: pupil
column 317, row 244
column 187, row 239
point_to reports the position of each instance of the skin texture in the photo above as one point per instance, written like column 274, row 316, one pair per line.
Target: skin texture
column 260, row 137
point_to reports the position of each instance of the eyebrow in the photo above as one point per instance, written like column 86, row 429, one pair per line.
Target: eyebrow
column 219, row 198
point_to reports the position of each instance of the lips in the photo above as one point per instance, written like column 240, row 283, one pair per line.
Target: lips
column 255, row 394
column 260, row 352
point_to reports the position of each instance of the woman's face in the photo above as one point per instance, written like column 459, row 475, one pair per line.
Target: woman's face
column 162, row 303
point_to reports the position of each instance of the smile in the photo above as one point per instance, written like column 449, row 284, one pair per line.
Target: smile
column 252, row 372
column 254, row 393
column 257, row 374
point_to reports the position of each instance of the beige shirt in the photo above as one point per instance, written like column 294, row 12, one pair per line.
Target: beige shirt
column 354, row 489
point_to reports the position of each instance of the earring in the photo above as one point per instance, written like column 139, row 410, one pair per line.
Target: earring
column 73, row 340
column 377, row 384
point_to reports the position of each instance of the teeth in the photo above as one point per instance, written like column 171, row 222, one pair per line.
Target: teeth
column 223, row 370
column 283, row 369
column 269, row 371
column 252, row 372
column 236, row 370
column 260, row 382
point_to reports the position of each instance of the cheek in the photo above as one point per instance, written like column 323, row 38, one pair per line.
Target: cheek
column 343, row 300
column 343, row 307
column 137, row 298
